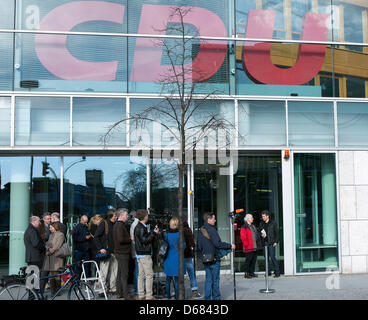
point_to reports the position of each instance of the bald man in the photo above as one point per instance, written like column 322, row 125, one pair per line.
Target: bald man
column 81, row 242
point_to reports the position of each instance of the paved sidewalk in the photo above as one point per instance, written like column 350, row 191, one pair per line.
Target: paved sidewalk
column 311, row 287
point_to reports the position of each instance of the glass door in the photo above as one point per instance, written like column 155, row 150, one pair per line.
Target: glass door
column 315, row 212
column 257, row 187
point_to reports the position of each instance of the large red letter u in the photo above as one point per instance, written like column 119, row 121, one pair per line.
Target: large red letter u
column 257, row 55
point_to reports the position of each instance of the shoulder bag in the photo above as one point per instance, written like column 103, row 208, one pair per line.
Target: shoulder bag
column 64, row 251
column 163, row 249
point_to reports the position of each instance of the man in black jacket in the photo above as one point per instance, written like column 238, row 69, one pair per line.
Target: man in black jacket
column 270, row 234
column 143, row 247
column 104, row 242
column 122, row 251
column 35, row 247
column 209, row 242
column 81, row 243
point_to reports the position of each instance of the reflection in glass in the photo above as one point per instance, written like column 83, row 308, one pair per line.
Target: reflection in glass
column 311, row 123
column 257, row 187
column 262, row 123
column 329, row 86
column 93, row 183
column 93, row 117
column 352, row 120
column 212, row 195
column 26, row 189
column 164, row 191
column 315, row 212
column 353, row 25
column 42, row 121
column 355, row 88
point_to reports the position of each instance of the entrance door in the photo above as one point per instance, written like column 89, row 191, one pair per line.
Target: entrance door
column 315, row 212
column 257, row 187
column 211, row 194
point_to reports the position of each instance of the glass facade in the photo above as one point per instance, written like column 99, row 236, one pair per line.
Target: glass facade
column 70, row 70
column 25, row 190
column 96, row 50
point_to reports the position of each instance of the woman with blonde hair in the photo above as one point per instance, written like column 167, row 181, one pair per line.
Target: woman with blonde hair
column 171, row 263
column 93, row 224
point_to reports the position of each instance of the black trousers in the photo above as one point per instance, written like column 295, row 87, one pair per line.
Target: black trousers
column 122, row 276
column 250, row 262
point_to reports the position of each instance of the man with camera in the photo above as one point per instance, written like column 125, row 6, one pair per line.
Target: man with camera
column 209, row 243
column 143, row 247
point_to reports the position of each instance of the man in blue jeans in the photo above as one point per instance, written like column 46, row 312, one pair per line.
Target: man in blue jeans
column 208, row 243
column 188, row 260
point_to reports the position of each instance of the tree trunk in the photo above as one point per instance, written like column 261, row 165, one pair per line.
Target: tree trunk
column 181, row 232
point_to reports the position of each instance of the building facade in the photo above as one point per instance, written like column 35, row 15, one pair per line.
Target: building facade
column 291, row 76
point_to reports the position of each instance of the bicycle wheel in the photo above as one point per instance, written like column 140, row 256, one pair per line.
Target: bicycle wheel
column 81, row 291
column 18, row 292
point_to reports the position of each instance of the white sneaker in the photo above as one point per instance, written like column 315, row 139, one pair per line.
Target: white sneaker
column 196, row 294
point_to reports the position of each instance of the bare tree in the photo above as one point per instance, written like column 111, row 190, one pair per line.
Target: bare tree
column 187, row 112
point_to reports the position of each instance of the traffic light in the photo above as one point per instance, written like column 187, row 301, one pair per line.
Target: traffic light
column 45, row 167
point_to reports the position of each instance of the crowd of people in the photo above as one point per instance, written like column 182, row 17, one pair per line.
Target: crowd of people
column 113, row 243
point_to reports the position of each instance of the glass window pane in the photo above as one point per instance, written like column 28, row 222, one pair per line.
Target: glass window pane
column 92, row 119
column 262, row 123
column 298, row 10
column 6, row 61
column 329, row 86
column 70, row 63
column 353, row 25
column 25, row 190
column 257, row 183
column 67, row 15
column 150, row 61
column 42, row 121
column 352, row 119
column 311, row 123
column 155, row 65
column 5, row 119
column 355, row 88
column 7, row 14
column 315, row 212
column 91, row 184
column 211, row 195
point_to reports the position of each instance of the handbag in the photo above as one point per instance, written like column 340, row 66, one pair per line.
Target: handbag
column 64, row 251
column 208, row 257
column 163, row 249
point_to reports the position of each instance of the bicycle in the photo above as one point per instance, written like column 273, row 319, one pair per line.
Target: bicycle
column 14, row 287
column 79, row 290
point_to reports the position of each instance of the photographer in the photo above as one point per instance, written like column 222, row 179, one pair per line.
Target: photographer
column 143, row 247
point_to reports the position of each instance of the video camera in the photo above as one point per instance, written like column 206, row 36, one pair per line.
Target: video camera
column 160, row 219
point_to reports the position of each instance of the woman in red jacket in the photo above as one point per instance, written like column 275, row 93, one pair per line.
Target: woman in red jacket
column 250, row 238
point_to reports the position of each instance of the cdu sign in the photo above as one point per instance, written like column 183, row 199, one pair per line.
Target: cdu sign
column 53, row 54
